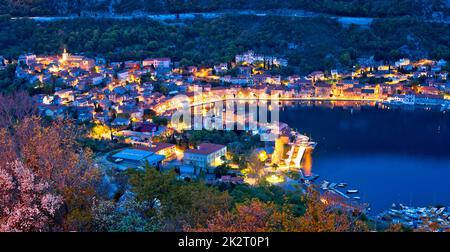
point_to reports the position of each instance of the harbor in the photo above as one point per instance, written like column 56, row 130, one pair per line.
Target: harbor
column 356, row 151
column 417, row 217
column 298, row 158
column 336, row 188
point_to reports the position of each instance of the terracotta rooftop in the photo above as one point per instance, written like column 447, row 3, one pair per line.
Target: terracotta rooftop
column 160, row 146
column 146, row 127
column 205, row 149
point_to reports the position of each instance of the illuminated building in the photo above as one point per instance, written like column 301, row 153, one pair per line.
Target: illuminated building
column 157, row 62
column 205, row 155
column 165, row 149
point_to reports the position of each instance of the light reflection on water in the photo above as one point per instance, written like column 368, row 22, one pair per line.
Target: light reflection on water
column 307, row 162
column 389, row 155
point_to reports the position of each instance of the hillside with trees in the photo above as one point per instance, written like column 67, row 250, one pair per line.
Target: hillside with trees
column 375, row 8
column 309, row 44
column 49, row 182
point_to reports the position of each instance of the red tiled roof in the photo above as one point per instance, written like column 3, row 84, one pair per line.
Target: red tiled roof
column 160, row 146
column 206, row 149
column 146, row 127
column 429, row 89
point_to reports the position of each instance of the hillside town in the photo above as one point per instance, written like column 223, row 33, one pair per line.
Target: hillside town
column 130, row 103
column 92, row 87
column 123, row 96
column 213, row 124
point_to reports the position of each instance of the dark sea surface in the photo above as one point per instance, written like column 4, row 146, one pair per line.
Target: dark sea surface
column 393, row 155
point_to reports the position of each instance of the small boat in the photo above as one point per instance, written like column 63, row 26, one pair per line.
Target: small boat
column 341, row 185
column 352, row 191
column 324, row 185
column 357, row 198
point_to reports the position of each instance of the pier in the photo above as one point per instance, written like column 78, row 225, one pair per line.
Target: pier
column 327, row 186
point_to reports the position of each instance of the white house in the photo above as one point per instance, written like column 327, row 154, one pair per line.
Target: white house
column 123, row 75
column 334, row 74
column 206, row 155
column 280, row 62
column 27, row 59
column 223, row 67
column 404, row 99
column 402, row 62
column 248, row 57
column 157, row 62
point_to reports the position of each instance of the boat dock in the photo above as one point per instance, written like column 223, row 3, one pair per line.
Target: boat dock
column 417, row 217
column 327, row 186
column 310, row 178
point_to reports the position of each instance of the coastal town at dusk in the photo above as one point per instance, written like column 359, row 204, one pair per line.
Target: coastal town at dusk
column 104, row 131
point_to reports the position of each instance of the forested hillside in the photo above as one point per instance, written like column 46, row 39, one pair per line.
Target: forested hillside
column 309, row 44
column 374, row 8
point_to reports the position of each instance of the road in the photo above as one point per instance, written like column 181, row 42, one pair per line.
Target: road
column 362, row 21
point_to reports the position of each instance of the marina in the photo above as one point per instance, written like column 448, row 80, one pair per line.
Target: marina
column 417, row 217
column 334, row 188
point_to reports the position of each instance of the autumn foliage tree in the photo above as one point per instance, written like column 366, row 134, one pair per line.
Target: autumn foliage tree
column 15, row 107
column 253, row 216
column 395, row 228
column 321, row 217
column 431, row 226
column 258, row 216
column 181, row 203
column 127, row 215
column 48, row 153
column 28, row 203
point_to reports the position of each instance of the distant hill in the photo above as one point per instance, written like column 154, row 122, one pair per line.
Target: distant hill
column 372, row 8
